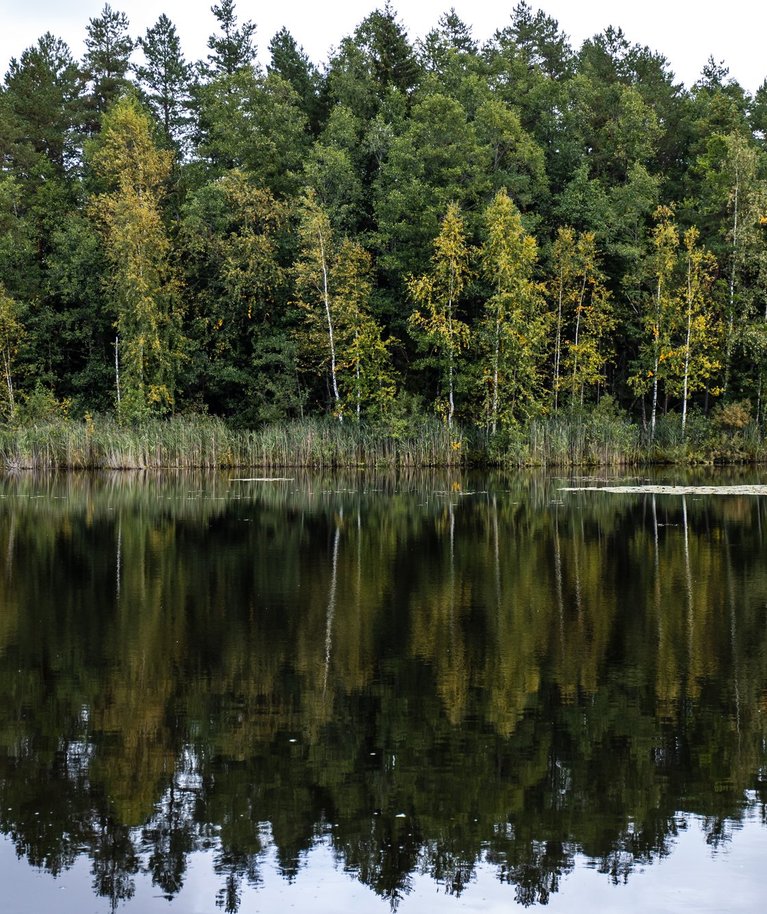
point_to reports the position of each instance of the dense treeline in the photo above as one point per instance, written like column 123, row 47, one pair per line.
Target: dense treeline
column 494, row 233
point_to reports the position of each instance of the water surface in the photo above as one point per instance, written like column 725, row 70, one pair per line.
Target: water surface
column 432, row 693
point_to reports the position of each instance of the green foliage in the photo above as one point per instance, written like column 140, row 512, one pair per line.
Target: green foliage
column 512, row 331
column 338, row 335
column 165, row 78
column 108, row 47
column 435, row 162
column 584, row 316
column 41, row 100
column 253, row 122
column 209, row 182
column 11, row 333
column 243, row 355
column 290, row 62
column 232, row 48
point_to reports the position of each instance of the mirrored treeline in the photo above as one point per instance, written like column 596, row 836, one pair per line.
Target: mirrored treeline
column 428, row 672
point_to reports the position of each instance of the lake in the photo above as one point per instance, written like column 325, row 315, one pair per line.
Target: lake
column 436, row 692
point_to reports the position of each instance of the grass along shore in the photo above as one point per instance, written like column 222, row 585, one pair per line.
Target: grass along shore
column 209, row 443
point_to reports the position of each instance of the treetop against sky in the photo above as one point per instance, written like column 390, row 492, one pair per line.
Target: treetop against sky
column 686, row 33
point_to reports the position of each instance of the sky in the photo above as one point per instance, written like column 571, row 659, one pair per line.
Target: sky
column 686, row 32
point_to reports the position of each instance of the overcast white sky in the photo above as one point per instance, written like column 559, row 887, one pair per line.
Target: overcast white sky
column 685, row 31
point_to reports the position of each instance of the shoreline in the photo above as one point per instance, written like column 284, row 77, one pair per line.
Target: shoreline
column 203, row 442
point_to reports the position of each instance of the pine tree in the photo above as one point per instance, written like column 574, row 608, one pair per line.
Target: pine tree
column 107, row 59
column 384, row 41
column 233, row 48
column 165, row 78
column 291, row 63
column 42, row 93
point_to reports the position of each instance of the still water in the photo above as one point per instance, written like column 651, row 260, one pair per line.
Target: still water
column 433, row 693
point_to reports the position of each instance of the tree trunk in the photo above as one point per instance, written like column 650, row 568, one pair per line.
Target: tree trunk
column 331, row 337
column 117, row 369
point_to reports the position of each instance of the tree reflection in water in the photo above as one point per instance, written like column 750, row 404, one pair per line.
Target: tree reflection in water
column 428, row 673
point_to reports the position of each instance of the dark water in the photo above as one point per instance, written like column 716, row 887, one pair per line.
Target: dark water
column 432, row 693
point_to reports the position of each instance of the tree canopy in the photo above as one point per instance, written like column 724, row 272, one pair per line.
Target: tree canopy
column 527, row 143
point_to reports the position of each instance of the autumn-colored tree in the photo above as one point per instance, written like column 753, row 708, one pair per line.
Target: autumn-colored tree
column 435, row 322
column 696, row 359
column 364, row 361
column 656, row 348
column 735, row 194
column 11, row 332
column 143, row 287
column 513, row 326
column 338, row 332
column 682, row 329
column 584, row 315
column 312, row 277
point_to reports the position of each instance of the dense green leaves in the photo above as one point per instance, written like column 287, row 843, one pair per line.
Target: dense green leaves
column 106, row 62
column 165, row 78
column 386, row 140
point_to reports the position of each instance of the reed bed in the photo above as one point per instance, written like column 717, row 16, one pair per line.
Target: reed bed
column 586, row 441
column 208, row 443
column 187, row 443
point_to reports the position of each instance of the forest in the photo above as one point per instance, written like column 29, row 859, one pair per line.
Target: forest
column 496, row 241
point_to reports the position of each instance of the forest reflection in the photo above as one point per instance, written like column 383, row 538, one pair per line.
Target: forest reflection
column 426, row 672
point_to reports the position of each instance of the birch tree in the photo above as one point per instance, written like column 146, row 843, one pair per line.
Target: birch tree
column 697, row 358
column 11, row 332
column 143, row 286
column 653, row 364
column 312, row 276
column 513, row 326
column 338, row 333
column 589, row 318
column 436, row 296
column 367, row 379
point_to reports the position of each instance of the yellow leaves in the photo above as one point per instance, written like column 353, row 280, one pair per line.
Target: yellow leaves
column 143, row 284
column 436, row 294
column 338, row 331
column 125, row 155
column 509, row 253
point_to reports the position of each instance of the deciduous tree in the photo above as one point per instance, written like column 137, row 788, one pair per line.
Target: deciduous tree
column 513, row 326
column 435, row 321
column 584, row 315
column 143, row 285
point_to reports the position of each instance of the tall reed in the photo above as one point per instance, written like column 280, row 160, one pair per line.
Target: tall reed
column 203, row 442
